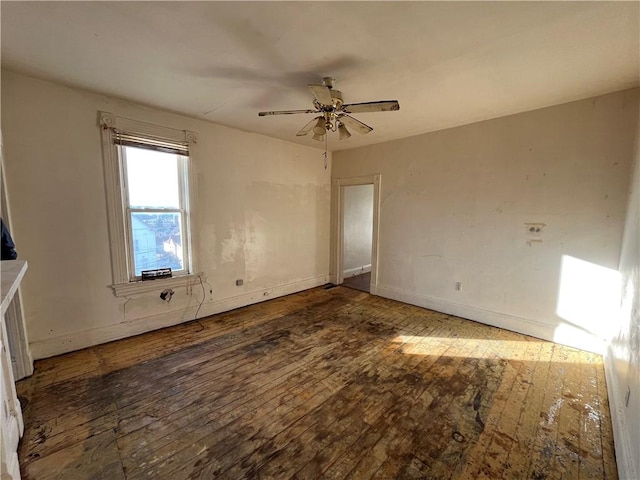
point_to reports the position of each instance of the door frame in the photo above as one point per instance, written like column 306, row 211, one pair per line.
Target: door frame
column 336, row 269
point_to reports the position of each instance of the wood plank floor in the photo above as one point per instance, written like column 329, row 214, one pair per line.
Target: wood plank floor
column 328, row 383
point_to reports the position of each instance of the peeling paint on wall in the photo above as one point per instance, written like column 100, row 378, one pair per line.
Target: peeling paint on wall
column 261, row 213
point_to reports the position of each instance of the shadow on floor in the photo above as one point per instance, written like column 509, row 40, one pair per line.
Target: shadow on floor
column 359, row 282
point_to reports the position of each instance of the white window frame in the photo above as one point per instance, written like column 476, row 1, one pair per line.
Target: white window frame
column 124, row 281
column 182, row 211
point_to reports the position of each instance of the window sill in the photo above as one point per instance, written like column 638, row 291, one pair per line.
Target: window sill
column 135, row 288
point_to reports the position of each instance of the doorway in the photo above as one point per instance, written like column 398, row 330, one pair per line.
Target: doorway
column 355, row 227
column 357, row 236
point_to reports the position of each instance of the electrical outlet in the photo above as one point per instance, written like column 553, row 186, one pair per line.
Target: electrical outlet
column 458, row 286
column 239, row 282
column 167, row 294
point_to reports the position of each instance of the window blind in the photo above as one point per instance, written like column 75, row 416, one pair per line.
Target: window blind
column 152, row 143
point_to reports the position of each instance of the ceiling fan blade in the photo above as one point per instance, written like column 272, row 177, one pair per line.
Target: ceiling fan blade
column 357, row 125
column 285, row 112
column 383, row 106
column 307, row 128
column 322, row 94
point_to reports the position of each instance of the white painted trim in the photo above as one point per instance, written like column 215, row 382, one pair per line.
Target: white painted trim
column 513, row 323
column 257, row 296
column 96, row 336
column 336, row 273
column 109, row 120
column 352, row 272
column 192, row 207
column 621, row 437
column 87, row 338
column 22, row 361
column 337, row 210
column 115, row 213
column 135, row 288
column 12, row 273
column 375, row 245
column 12, row 467
column 113, row 172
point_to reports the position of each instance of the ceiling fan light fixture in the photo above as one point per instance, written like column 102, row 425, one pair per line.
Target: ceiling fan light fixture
column 334, row 113
column 319, row 128
column 342, row 130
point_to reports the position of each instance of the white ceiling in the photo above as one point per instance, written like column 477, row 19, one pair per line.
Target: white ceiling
column 448, row 63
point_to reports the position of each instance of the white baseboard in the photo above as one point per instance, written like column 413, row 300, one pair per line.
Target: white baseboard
column 625, row 454
column 96, row 336
column 513, row 323
column 352, row 272
column 12, row 467
column 230, row 303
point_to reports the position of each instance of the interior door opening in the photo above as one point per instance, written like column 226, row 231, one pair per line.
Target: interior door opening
column 357, row 239
column 355, row 228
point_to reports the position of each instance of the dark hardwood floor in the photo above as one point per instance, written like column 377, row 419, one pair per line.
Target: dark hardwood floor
column 327, row 383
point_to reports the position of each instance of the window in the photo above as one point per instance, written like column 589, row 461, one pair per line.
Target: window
column 155, row 209
column 148, row 194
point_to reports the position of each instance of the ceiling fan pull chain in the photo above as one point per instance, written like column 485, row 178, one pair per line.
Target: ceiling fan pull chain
column 326, row 143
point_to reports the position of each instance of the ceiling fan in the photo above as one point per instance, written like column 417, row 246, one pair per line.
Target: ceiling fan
column 334, row 113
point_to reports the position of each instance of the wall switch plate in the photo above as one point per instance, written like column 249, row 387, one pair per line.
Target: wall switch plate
column 534, row 229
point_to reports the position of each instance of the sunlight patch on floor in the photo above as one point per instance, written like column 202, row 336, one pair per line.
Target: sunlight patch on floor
column 464, row 347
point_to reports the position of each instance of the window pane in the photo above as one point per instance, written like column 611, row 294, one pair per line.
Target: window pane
column 152, row 178
column 157, row 241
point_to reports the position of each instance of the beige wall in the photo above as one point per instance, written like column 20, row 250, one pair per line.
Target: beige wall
column 623, row 359
column 262, row 214
column 455, row 205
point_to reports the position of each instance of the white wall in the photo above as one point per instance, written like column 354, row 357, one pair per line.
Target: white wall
column 358, row 229
column 262, row 214
column 456, row 204
column 623, row 356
